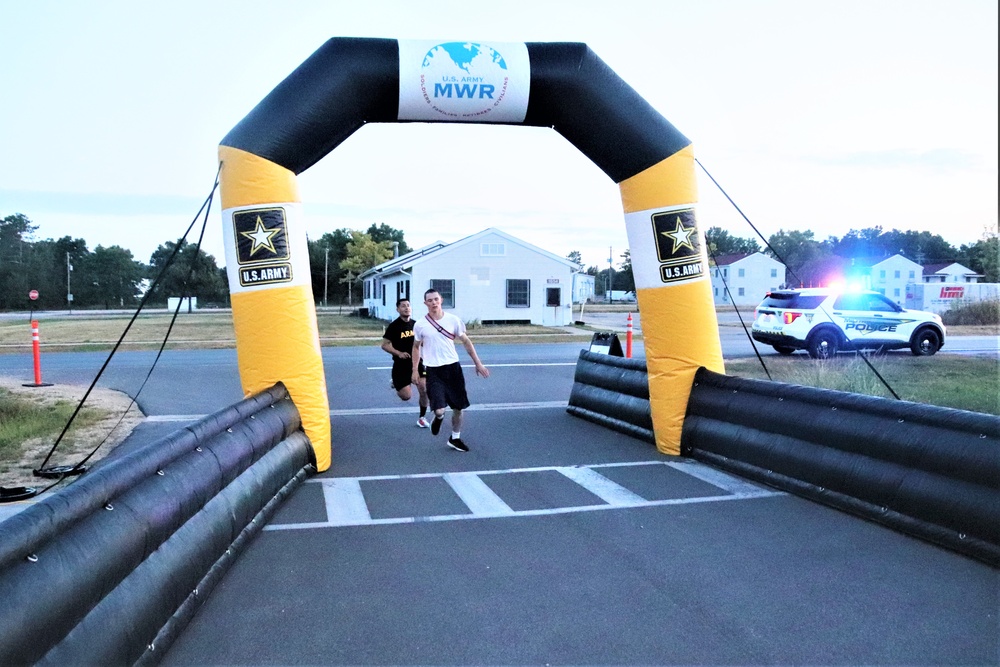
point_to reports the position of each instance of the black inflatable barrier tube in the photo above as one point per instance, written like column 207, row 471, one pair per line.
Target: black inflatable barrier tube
column 160, row 586
column 928, row 471
column 47, row 518
column 186, row 611
column 613, row 392
column 69, row 561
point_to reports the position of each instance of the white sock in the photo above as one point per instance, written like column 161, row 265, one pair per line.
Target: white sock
column 455, row 435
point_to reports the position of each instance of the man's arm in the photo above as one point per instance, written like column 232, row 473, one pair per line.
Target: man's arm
column 387, row 346
column 416, row 360
column 471, row 349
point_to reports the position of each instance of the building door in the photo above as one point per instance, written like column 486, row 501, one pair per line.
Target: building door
column 552, row 315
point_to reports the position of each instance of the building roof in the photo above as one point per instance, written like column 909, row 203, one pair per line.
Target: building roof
column 732, row 258
column 397, row 264
column 931, row 269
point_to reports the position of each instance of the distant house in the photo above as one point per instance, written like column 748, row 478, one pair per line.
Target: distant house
column 747, row 277
column 490, row 276
column 950, row 272
column 892, row 275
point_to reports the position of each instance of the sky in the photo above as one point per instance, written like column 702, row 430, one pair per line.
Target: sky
column 810, row 115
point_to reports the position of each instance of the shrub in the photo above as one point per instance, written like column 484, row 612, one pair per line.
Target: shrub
column 979, row 312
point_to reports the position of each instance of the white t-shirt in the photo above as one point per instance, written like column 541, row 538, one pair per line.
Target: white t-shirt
column 436, row 349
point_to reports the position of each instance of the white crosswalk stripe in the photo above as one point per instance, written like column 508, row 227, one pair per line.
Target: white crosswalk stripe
column 346, row 505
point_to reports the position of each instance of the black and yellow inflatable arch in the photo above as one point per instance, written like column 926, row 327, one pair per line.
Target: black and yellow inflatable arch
column 349, row 82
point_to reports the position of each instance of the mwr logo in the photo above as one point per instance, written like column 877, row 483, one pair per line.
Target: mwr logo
column 678, row 245
column 266, row 275
column 261, row 235
column 952, row 292
column 463, row 80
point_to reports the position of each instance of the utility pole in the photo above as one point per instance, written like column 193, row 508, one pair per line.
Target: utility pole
column 69, row 293
column 326, row 275
column 610, row 270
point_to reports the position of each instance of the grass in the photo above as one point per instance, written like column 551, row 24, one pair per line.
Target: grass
column 977, row 314
column 215, row 330
column 24, row 419
column 963, row 382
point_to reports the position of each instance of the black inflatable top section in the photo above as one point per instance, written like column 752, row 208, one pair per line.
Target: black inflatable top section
column 348, row 82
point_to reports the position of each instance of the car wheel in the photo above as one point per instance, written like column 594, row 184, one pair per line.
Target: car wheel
column 925, row 343
column 781, row 349
column 824, row 345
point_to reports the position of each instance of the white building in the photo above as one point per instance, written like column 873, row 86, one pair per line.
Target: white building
column 747, row 277
column 490, row 277
column 893, row 274
column 949, row 272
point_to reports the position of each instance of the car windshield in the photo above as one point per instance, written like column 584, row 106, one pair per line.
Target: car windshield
column 792, row 300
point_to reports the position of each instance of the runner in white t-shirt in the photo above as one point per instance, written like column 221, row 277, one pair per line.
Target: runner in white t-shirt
column 434, row 339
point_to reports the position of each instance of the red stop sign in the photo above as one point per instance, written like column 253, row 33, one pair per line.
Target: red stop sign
column 33, row 294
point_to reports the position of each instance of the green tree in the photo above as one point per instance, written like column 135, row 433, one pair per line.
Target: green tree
column 325, row 256
column 205, row 282
column 363, row 252
column 16, row 232
column 114, row 277
column 383, row 232
column 624, row 280
column 983, row 256
column 796, row 249
column 721, row 242
column 575, row 257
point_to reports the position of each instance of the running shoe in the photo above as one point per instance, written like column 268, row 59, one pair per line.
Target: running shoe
column 423, row 423
column 457, row 444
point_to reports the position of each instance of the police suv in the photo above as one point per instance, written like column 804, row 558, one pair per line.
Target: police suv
column 824, row 321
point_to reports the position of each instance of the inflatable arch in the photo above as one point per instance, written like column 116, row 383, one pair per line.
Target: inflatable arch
column 352, row 81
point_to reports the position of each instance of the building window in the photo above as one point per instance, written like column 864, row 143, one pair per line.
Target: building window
column 518, row 293
column 911, row 275
column 383, row 295
column 446, row 288
column 493, row 249
column 741, row 289
column 881, row 274
column 896, row 274
column 725, row 273
column 742, row 273
column 716, row 291
column 895, row 291
column 774, row 273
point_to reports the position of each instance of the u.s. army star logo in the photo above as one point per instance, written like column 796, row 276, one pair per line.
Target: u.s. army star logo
column 261, row 235
column 678, row 245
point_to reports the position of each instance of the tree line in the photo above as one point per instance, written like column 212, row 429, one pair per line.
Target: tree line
column 809, row 261
column 110, row 277
column 66, row 273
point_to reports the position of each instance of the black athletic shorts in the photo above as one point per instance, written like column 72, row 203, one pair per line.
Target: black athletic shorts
column 446, row 387
column 402, row 373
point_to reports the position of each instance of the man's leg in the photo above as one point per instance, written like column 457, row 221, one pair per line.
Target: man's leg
column 422, row 399
column 404, row 393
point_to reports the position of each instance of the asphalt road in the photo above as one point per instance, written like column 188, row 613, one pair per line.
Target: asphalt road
column 670, row 563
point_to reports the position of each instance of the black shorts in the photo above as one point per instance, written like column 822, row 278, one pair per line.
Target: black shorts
column 402, row 373
column 446, row 387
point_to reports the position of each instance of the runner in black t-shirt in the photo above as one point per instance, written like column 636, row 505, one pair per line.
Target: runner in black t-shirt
column 398, row 341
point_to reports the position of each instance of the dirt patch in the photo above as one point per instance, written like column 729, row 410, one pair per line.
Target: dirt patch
column 79, row 441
